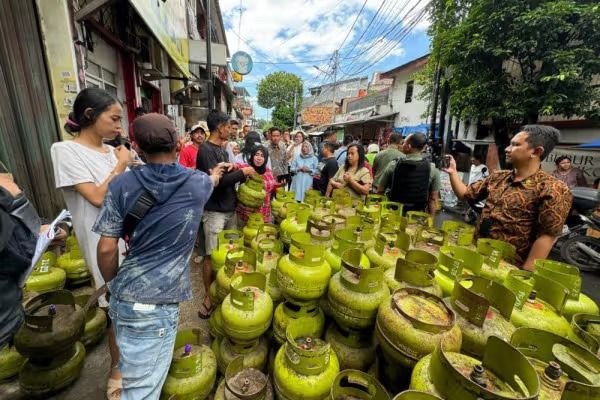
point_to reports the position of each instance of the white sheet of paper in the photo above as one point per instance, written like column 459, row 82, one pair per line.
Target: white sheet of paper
column 44, row 240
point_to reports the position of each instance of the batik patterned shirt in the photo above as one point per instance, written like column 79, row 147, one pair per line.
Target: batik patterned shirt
column 520, row 212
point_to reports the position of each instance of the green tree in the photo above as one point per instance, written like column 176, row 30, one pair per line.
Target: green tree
column 276, row 91
column 513, row 60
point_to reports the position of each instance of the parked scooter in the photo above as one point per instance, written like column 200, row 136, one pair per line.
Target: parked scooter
column 573, row 245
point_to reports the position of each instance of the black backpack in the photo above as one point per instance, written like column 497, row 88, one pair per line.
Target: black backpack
column 410, row 183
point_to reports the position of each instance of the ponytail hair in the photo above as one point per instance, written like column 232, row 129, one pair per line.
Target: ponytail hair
column 88, row 105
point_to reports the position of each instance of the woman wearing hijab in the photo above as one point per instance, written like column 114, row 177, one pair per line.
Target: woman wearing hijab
column 233, row 149
column 252, row 140
column 303, row 167
column 257, row 159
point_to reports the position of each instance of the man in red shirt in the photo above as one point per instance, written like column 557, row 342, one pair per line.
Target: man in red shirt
column 187, row 156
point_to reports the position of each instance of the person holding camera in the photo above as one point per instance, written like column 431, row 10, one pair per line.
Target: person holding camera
column 525, row 206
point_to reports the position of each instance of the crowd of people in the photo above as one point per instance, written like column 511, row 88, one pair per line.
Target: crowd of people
column 138, row 212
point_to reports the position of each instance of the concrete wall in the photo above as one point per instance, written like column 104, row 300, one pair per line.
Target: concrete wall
column 409, row 114
column 60, row 56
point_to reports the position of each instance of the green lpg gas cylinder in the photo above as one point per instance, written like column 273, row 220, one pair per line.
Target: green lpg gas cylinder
column 46, row 276
column 393, row 222
column 303, row 274
column 430, row 239
column 273, row 289
column 255, row 221
column 238, row 260
column 453, row 262
column 243, row 382
column 95, row 321
column 569, row 276
column 411, row 323
column 283, row 211
column 585, row 330
column 305, row 367
column 357, row 385
column 295, row 222
column 566, row 370
column 287, row 312
column 502, row 374
column 391, row 208
column 320, row 232
column 74, row 265
column 247, row 310
column 212, row 293
column 389, row 247
column 53, row 324
column 193, row 368
column 254, row 354
column 483, row 308
column 252, row 192
column 338, row 222
column 226, row 240
column 459, row 233
column 10, row 362
column 71, row 241
column 266, row 231
column 415, row 395
column 312, row 196
column 268, row 253
column 497, row 257
column 416, row 270
column 215, row 323
column 417, row 220
column 355, row 349
column 281, row 197
column 356, row 291
column 42, row 380
column 349, row 238
column 324, row 206
column 539, row 302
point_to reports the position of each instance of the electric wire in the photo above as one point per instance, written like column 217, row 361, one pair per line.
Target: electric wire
column 354, row 23
column 383, row 52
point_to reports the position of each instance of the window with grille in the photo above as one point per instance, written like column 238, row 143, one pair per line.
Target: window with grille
column 99, row 77
column 409, row 91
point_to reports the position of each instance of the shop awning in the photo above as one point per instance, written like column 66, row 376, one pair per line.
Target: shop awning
column 382, row 118
column 407, row 130
column 591, row 145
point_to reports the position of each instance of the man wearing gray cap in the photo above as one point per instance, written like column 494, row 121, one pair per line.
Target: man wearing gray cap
column 157, row 209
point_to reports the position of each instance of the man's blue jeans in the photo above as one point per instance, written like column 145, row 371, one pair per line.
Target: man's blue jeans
column 145, row 336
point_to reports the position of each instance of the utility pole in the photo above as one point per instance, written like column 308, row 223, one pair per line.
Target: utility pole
column 336, row 60
column 295, row 94
column 211, row 97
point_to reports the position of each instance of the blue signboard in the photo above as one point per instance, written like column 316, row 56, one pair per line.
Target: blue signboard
column 242, row 63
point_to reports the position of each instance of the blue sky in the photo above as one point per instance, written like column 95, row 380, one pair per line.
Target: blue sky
column 276, row 33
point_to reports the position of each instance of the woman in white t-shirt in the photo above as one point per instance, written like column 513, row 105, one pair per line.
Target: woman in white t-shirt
column 83, row 168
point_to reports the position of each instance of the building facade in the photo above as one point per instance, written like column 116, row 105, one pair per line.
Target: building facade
column 147, row 53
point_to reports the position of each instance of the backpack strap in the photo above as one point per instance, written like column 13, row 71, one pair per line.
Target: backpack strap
column 140, row 208
column 339, row 155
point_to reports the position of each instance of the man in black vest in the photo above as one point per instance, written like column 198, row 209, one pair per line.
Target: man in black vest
column 412, row 180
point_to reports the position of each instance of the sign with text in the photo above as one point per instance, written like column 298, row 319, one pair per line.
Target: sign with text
column 167, row 21
column 586, row 160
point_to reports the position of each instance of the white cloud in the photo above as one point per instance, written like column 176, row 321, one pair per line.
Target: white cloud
column 300, row 30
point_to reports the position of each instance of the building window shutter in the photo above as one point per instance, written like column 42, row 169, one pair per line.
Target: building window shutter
column 409, row 91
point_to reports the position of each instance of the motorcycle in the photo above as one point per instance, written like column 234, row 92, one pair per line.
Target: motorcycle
column 573, row 246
